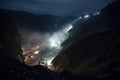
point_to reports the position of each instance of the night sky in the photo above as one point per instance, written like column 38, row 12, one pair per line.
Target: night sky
column 55, row 7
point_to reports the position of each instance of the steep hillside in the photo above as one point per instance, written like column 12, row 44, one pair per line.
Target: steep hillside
column 32, row 21
column 93, row 47
column 108, row 18
column 91, row 56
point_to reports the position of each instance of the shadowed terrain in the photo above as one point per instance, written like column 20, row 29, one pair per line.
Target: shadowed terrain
column 91, row 53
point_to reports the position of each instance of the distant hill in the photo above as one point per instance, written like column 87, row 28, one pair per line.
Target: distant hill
column 92, row 56
column 42, row 23
column 32, row 21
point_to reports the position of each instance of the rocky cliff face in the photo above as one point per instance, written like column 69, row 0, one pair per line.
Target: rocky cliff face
column 9, row 37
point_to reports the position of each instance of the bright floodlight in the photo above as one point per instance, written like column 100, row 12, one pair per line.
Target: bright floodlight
column 97, row 13
column 49, row 62
column 36, row 52
column 80, row 17
column 53, row 44
column 54, row 41
column 68, row 28
column 58, row 37
column 86, row 16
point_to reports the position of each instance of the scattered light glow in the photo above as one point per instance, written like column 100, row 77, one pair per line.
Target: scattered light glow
column 55, row 24
column 80, row 17
column 53, row 42
column 36, row 52
column 49, row 62
column 46, row 41
column 59, row 42
column 58, row 37
column 97, row 13
column 86, row 16
column 32, row 56
column 68, row 28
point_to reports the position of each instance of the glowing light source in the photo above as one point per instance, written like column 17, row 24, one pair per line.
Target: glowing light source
column 68, row 28
column 53, row 44
column 49, row 62
column 58, row 37
column 36, row 52
column 86, row 16
column 80, row 17
column 32, row 56
column 97, row 13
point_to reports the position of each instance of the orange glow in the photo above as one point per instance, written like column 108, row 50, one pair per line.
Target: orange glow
column 30, row 48
column 31, row 59
column 27, row 48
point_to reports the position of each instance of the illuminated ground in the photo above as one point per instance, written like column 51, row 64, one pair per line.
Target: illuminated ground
column 37, row 52
column 41, row 49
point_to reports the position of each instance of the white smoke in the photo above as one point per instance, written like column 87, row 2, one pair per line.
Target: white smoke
column 59, row 37
column 55, row 41
column 52, row 42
